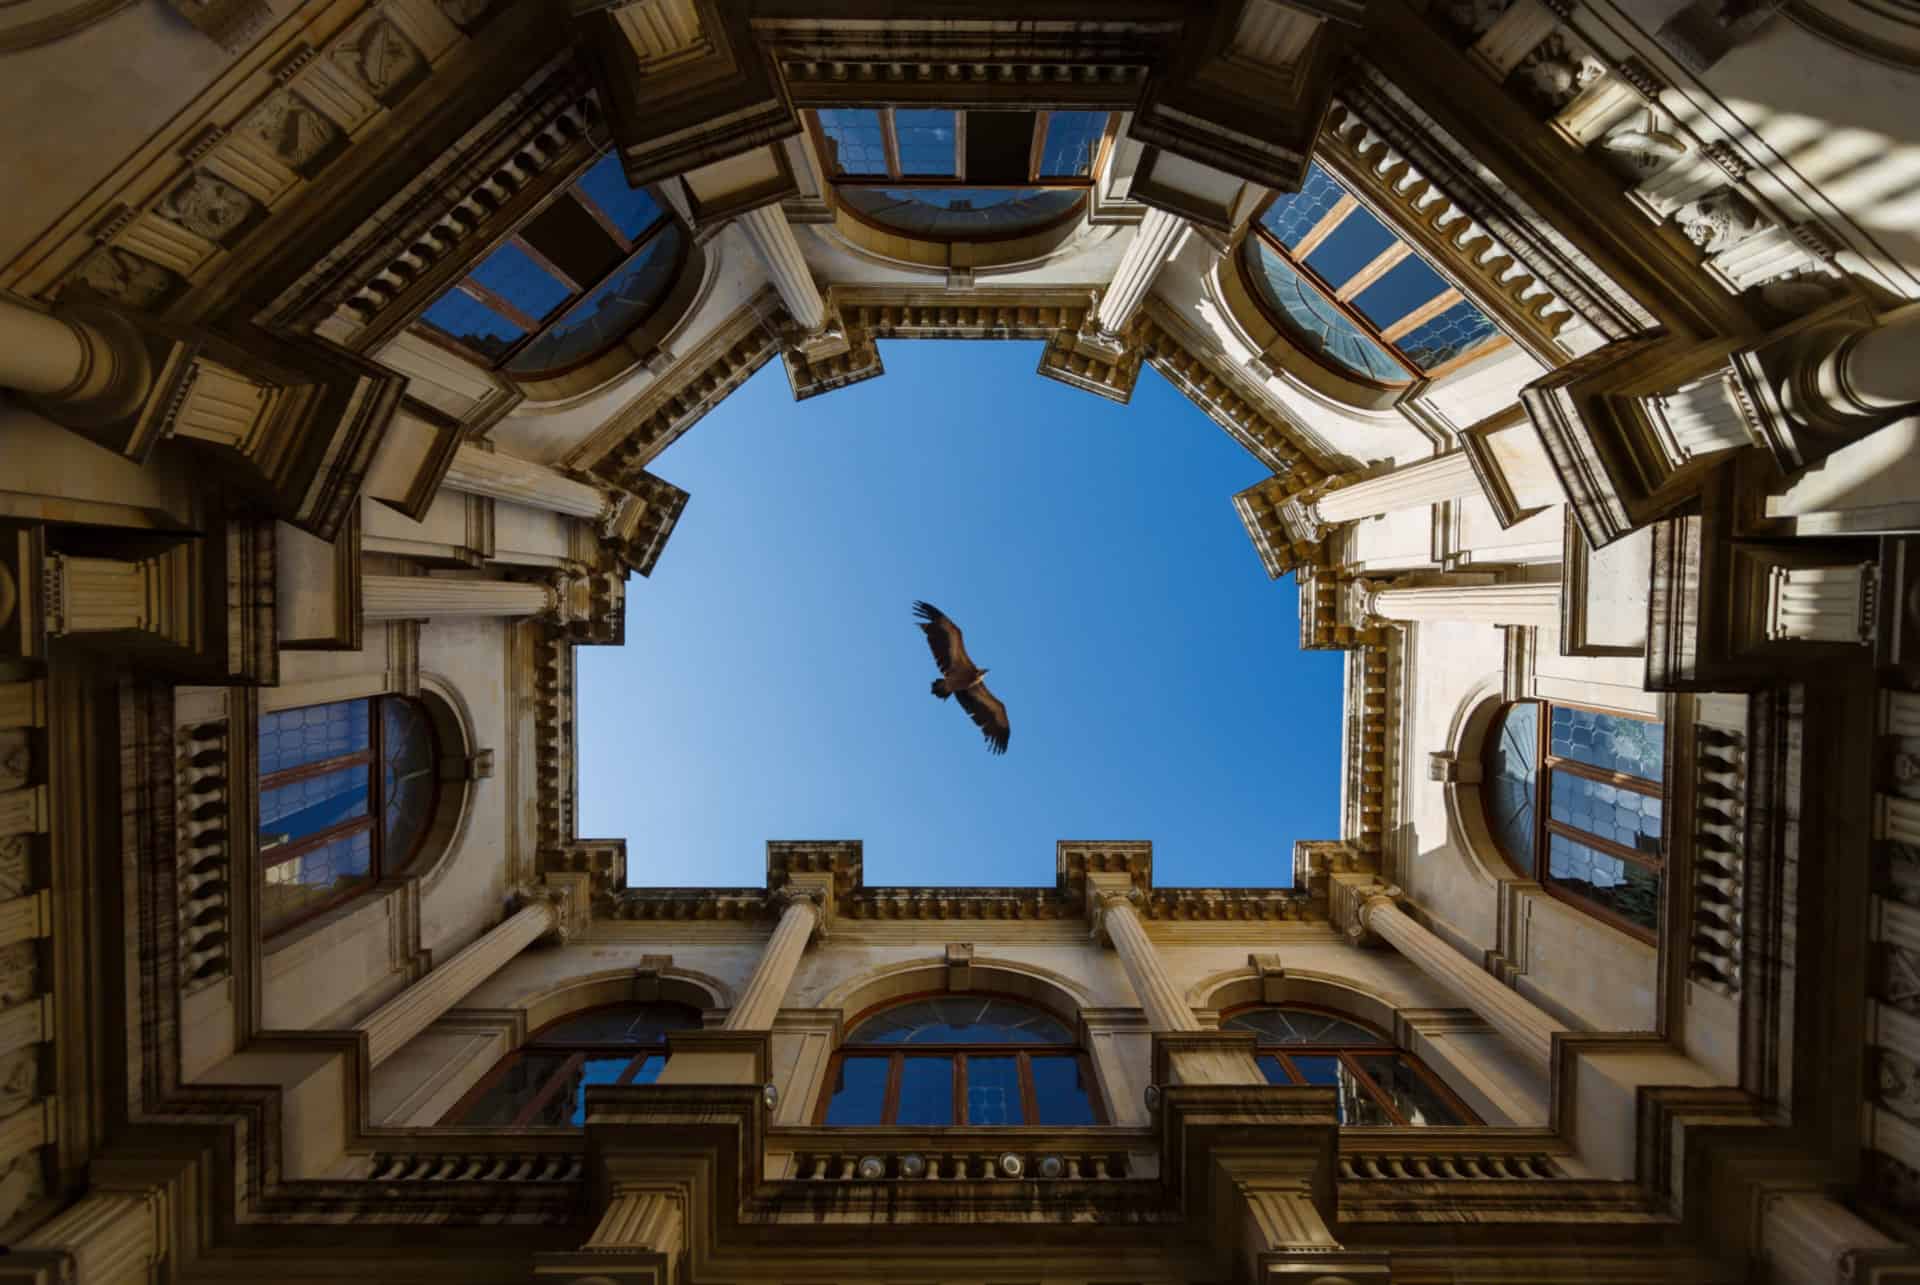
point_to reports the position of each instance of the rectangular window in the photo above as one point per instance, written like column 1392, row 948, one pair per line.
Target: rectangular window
column 860, row 1092
column 993, row 1090
column 926, row 1091
column 927, row 142
column 1061, row 1094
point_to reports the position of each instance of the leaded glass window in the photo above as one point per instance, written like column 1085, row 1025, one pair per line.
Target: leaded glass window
column 1374, row 1083
column 1574, row 798
column 1353, row 293
column 960, row 1059
column 576, row 276
column 328, row 773
column 543, row 1083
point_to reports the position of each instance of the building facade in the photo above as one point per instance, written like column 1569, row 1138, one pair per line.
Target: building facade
column 340, row 339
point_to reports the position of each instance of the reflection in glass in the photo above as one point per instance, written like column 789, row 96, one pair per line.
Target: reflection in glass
column 644, row 1024
column 511, row 273
column 1407, row 285
column 1072, row 140
column 312, row 804
column 632, row 209
column 1628, row 890
column 962, row 1019
column 1060, row 1093
column 1409, row 1091
column 1459, row 329
column 926, row 1091
column 609, row 310
column 993, row 1090
column 1291, row 216
column 464, row 319
column 1358, row 241
column 855, row 142
column 937, row 213
column 1513, row 770
column 1278, row 1025
column 1316, row 323
column 312, row 734
column 515, row 1089
column 926, row 141
column 1625, row 816
column 860, row 1093
column 1625, row 745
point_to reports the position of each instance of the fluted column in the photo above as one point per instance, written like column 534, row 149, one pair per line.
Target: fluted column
column 639, row 1219
column 114, row 1237
column 420, row 1005
column 1704, row 418
column 1154, row 241
column 1808, row 1239
column 58, row 358
column 426, row 597
column 1532, row 603
column 1529, row 1029
column 518, row 481
column 1430, row 481
column 767, row 228
column 1160, row 999
column 767, row 990
column 1873, row 371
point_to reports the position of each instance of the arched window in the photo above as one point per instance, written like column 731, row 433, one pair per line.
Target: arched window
column 1376, row 1083
column 938, row 174
column 543, row 1083
column 1354, row 294
column 1573, row 798
column 346, row 794
column 960, row 1059
column 588, row 267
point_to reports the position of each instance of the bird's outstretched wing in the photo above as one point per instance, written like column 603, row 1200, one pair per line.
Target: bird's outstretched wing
column 988, row 714
column 943, row 638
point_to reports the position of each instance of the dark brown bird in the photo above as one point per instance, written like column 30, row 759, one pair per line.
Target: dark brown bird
column 961, row 678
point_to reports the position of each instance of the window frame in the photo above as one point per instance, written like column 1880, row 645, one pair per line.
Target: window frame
column 379, row 863
column 957, row 1054
column 575, row 1052
column 895, row 177
column 1353, row 1058
column 1544, row 826
column 1259, row 236
column 631, row 249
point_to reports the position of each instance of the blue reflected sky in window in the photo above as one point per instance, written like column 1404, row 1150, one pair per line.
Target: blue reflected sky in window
column 1511, row 790
column 861, row 1093
column 297, row 737
column 1629, row 746
column 1060, row 1092
column 460, row 316
column 1071, row 142
column 926, row 141
column 1407, row 285
column 304, row 807
column 1460, row 329
column 855, row 143
column 609, row 310
column 1316, row 322
column 926, row 1091
column 938, row 212
column 993, row 1090
column 511, row 273
column 1284, row 1025
column 632, row 209
column 1626, row 817
column 961, row 1019
column 1358, row 241
column 1294, row 214
column 1629, row 890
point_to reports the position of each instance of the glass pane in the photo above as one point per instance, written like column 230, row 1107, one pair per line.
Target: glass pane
column 1409, row 1091
column 608, row 311
column 1625, row 816
column 1358, row 241
column 1407, row 285
column 1315, row 323
column 926, row 141
column 1061, row 1094
column 300, row 808
column 297, row 737
column 595, row 1070
column 524, row 1077
column 1627, row 745
column 1295, row 214
column 962, row 1019
column 1460, row 329
column 409, row 775
column 1278, row 1025
column 993, row 1090
column 632, row 209
column 1271, row 1068
column 1356, row 1105
column 926, row 1091
column 859, row 1092
column 1072, row 140
column 1513, row 766
column 1626, row 889
column 937, row 213
column 855, row 144
column 511, row 273
column 649, row 1069
column 294, row 887
column 627, row 1024
column 463, row 318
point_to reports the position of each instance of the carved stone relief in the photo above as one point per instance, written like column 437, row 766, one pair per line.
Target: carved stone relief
column 382, row 60
column 1900, row 979
column 125, row 278
column 21, row 1183
column 19, row 1079
column 16, row 758
column 1473, row 18
column 302, row 137
column 1898, row 1084
column 210, row 207
column 19, row 974
column 1719, row 220
column 16, row 867
column 1639, row 149
column 1555, row 72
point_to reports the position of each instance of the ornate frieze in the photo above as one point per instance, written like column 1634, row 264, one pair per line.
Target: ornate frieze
column 204, row 799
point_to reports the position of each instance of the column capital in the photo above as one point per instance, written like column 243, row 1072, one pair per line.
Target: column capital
column 796, row 894
column 1106, row 889
column 560, row 898
column 1353, row 899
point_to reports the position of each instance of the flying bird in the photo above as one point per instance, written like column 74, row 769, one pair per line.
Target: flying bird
column 961, row 678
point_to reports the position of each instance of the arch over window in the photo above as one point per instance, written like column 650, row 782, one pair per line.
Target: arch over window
column 347, row 793
column 589, row 267
column 960, row 1059
column 1353, row 293
column 1376, row 1083
column 543, row 1083
column 1574, row 799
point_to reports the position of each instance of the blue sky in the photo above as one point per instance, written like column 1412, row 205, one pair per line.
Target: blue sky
column 774, row 685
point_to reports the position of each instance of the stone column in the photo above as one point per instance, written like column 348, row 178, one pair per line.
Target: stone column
column 1872, row 371
column 1702, row 418
column 767, row 990
column 1532, row 603
column 767, row 228
column 518, row 481
column 420, row 1005
column 60, row 358
column 425, row 597
column 1430, row 481
column 1529, row 1029
column 1154, row 242
column 639, row 1219
column 1165, row 1007
column 114, row 1237
column 1808, row 1239
column 1820, row 604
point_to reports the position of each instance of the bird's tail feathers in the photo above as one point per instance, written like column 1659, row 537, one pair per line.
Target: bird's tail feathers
column 940, row 688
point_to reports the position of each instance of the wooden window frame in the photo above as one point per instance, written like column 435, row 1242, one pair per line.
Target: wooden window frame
column 1353, row 1058
column 1339, row 297
column 573, row 1054
column 373, row 758
column 1544, row 825
column 534, row 328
